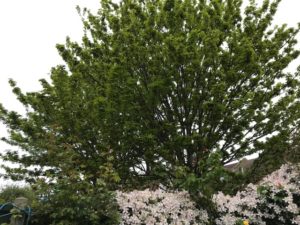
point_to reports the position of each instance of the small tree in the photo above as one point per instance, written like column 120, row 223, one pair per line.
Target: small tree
column 158, row 85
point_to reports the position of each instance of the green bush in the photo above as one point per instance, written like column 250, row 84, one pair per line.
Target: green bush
column 10, row 193
column 67, row 204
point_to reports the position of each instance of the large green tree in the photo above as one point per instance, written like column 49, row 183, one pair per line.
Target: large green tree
column 158, row 85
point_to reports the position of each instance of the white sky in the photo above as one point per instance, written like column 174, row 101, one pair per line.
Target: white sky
column 30, row 29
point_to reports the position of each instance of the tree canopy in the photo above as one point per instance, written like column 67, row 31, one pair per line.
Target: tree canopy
column 158, row 85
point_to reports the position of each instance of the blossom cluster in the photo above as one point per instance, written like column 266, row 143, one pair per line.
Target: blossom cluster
column 159, row 207
column 274, row 200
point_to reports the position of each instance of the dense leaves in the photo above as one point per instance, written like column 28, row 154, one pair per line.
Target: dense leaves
column 70, row 203
column 10, row 193
column 157, row 87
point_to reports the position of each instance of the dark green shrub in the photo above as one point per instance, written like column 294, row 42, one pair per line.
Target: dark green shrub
column 10, row 193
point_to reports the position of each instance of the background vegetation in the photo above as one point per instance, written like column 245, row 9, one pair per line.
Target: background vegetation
column 159, row 91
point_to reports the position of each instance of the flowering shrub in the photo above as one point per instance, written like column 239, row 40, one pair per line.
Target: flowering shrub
column 159, row 207
column 274, row 201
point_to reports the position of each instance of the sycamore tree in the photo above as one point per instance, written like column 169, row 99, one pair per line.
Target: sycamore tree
column 157, row 85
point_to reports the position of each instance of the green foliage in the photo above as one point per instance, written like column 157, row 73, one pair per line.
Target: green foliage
column 10, row 193
column 201, row 188
column 66, row 203
column 69, row 197
column 157, row 86
column 273, row 156
column 278, row 150
column 239, row 222
column 293, row 150
column 211, row 169
column 274, row 202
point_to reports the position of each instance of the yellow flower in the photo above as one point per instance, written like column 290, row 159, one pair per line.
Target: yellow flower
column 246, row 222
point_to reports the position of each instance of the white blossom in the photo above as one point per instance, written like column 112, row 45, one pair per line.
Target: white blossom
column 249, row 204
column 163, row 207
column 159, row 207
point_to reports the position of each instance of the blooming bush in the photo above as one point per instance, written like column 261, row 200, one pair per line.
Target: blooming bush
column 273, row 201
column 159, row 207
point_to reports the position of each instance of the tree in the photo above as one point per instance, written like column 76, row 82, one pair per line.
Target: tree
column 278, row 150
column 158, row 85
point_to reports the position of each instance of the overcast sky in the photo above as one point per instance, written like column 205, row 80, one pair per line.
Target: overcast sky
column 30, row 29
